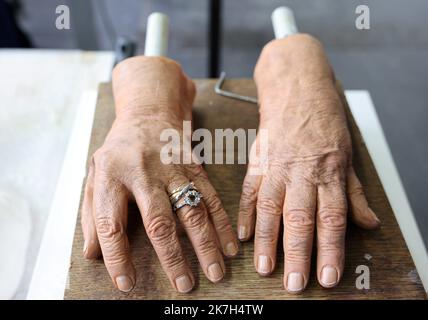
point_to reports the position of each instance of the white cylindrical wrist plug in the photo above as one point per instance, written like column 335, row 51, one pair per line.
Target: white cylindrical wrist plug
column 157, row 35
column 283, row 22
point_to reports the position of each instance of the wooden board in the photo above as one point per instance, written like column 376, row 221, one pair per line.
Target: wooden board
column 392, row 272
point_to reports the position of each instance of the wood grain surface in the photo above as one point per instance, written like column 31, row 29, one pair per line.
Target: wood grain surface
column 392, row 272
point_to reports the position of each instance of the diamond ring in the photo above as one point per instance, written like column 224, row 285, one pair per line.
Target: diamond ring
column 185, row 195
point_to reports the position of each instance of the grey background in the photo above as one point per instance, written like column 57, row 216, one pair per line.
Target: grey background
column 389, row 60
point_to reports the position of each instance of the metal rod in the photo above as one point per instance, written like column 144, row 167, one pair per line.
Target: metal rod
column 229, row 94
column 284, row 25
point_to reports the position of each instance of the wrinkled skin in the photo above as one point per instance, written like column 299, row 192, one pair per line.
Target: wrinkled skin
column 151, row 94
column 309, row 181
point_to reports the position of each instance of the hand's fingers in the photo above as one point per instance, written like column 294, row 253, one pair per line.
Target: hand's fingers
column 218, row 215
column 269, row 212
column 247, row 206
column 159, row 223
column 331, row 229
column 202, row 235
column 299, row 222
column 361, row 214
column 110, row 205
column 91, row 247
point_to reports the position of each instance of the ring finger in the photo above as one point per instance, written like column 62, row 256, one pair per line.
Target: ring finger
column 201, row 233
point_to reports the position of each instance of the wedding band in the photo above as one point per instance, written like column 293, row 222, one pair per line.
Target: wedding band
column 185, row 195
column 177, row 193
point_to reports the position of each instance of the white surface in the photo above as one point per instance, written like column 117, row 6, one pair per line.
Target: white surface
column 40, row 91
column 365, row 115
column 50, row 273
column 157, row 35
column 15, row 231
column 283, row 22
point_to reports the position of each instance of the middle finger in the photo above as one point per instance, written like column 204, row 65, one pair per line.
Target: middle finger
column 299, row 212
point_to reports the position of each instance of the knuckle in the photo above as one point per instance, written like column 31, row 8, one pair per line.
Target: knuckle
column 246, row 213
column 214, row 205
column 330, row 247
column 193, row 217
column 172, row 256
column 299, row 220
column 135, row 176
column 140, row 183
column 268, row 206
column 197, row 171
column 356, row 191
column 299, row 227
column 176, row 178
column 218, row 214
column 276, row 177
column 298, row 250
column 104, row 160
column 119, row 258
column 249, row 194
column 109, row 229
column 265, row 238
column 161, row 228
column 331, row 244
column 206, row 244
column 333, row 218
column 116, row 256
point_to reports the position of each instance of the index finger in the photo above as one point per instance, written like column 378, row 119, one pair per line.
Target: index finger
column 110, row 205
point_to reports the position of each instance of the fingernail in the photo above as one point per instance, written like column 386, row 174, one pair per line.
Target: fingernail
column 295, row 282
column 215, row 272
column 329, row 276
column 231, row 249
column 124, row 283
column 264, row 265
column 183, row 283
column 242, row 233
column 374, row 215
column 85, row 247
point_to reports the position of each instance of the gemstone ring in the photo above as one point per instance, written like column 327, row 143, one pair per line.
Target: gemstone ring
column 185, row 195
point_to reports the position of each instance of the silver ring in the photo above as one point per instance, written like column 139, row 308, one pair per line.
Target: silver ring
column 177, row 193
column 186, row 195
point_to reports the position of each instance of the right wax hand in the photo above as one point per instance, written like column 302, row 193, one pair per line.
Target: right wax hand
column 151, row 94
column 309, row 179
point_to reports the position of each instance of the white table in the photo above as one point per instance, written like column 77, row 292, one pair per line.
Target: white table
column 42, row 92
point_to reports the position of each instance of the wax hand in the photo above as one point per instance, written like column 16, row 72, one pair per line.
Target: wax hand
column 308, row 180
column 151, row 94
